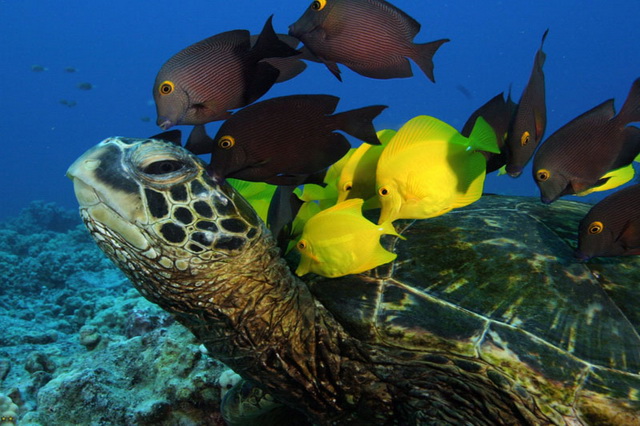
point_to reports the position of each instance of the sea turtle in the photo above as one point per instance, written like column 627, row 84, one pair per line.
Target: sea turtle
column 484, row 318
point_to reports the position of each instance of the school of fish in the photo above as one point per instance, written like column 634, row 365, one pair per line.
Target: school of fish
column 286, row 157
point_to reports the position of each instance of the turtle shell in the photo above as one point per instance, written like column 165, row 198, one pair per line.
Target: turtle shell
column 496, row 285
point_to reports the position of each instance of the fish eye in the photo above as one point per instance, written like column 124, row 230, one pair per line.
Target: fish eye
column 347, row 186
column 383, row 191
column 226, row 142
column 542, row 175
column 302, row 244
column 524, row 139
column 163, row 167
column 166, row 87
column 318, row 5
column 596, row 227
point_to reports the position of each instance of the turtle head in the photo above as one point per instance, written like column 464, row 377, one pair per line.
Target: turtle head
column 152, row 208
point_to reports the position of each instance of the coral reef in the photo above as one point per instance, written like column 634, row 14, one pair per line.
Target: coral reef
column 8, row 411
column 80, row 345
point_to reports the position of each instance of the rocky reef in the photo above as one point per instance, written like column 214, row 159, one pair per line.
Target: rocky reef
column 80, row 346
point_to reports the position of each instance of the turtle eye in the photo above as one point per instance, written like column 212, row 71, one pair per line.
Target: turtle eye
column 524, row 139
column 318, row 5
column 383, row 191
column 347, row 186
column 163, row 167
column 542, row 175
column 166, row 87
column 226, row 142
column 302, row 245
column 596, row 227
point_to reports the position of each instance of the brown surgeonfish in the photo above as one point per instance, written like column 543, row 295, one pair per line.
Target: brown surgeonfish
column 371, row 37
column 612, row 227
column 207, row 79
column 530, row 118
column 284, row 140
column 577, row 156
column 498, row 113
column 289, row 66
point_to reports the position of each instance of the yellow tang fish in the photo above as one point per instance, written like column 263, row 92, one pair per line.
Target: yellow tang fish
column 258, row 194
column 358, row 177
column 428, row 168
column 325, row 195
column 613, row 179
column 340, row 241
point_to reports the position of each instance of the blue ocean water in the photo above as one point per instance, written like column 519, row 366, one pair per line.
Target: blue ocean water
column 118, row 46
column 59, row 292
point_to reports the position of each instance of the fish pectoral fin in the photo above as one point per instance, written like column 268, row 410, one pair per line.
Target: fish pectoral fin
column 579, row 185
column 629, row 237
column 212, row 110
column 540, row 124
column 333, row 67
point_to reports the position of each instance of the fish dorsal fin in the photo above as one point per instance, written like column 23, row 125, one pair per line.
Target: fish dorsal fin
column 600, row 113
column 630, row 110
column 353, row 205
column 418, row 130
column 385, row 135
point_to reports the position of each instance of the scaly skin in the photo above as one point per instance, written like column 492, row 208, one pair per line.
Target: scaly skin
column 251, row 313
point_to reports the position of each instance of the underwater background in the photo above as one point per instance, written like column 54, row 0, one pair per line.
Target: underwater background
column 117, row 47
column 76, row 72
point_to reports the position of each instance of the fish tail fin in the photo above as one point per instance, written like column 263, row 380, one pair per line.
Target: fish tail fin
column 483, row 137
column 269, row 45
column 424, row 56
column 540, row 55
column 359, row 123
column 630, row 151
column 630, row 111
